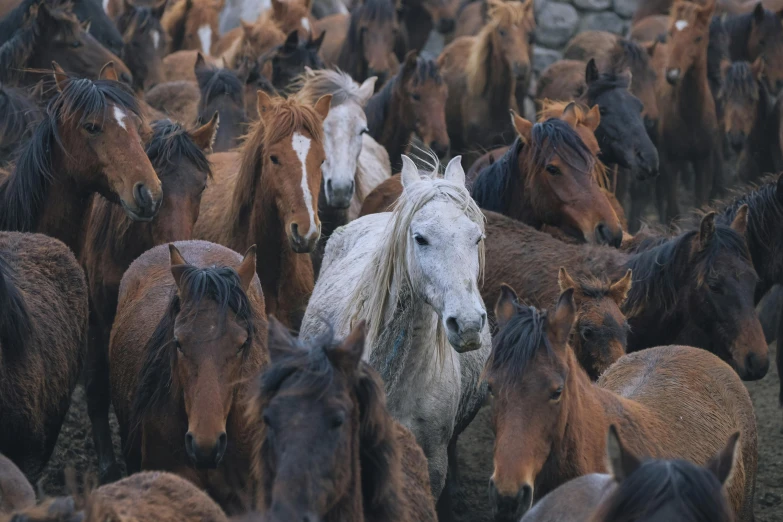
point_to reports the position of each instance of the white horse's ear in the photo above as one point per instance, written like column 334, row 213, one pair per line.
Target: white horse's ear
column 454, row 171
column 410, row 173
column 367, row 89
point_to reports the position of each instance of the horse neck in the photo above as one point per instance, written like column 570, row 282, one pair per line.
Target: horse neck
column 762, row 139
column 501, row 84
column 692, row 93
column 351, row 57
column 396, row 131
column 520, row 204
column 351, row 507
column 739, row 29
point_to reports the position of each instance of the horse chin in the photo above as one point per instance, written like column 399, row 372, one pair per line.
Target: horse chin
column 466, row 342
column 136, row 216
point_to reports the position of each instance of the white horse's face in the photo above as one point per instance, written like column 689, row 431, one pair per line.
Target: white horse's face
column 443, row 262
column 343, row 129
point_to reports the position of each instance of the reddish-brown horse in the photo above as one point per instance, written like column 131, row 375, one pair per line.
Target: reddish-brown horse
column 43, row 336
column 482, row 73
column 267, row 194
column 551, row 421
column 192, row 25
column 368, row 467
column 113, row 241
column 190, row 333
column 248, row 42
column 413, row 101
column 90, row 140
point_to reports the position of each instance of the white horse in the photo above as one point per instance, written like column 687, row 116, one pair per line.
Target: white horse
column 413, row 275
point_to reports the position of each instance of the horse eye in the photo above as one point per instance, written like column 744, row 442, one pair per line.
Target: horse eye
column 479, row 239
column 274, row 160
column 420, row 240
column 588, row 333
column 76, row 44
column 602, row 111
column 415, row 96
column 552, row 169
column 502, row 33
column 698, row 39
column 556, row 394
column 715, row 288
column 490, row 390
column 91, row 128
column 338, row 420
column 178, row 345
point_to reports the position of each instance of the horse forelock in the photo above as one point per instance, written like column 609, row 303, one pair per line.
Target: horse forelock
column 214, row 82
column 739, row 82
column 554, row 137
column 311, row 87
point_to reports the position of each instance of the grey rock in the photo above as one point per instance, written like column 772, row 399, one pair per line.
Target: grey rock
column 606, row 21
column 592, row 5
column 543, row 58
column 557, row 23
column 625, row 8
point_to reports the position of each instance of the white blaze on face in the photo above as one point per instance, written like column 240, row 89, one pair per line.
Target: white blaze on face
column 120, row 116
column 155, row 38
column 105, row 6
column 681, row 24
column 205, row 35
column 301, row 146
column 305, row 23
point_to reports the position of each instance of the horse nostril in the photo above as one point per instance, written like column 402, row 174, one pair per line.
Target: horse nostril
column 142, row 196
column 603, row 235
column 452, row 325
column 483, row 319
column 328, row 186
column 189, row 446
column 295, row 230
column 755, row 367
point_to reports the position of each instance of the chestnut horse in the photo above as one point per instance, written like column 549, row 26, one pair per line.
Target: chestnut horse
column 696, row 288
column 89, row 140
column 145, row 44
column 43, row 336
column 113, row 241
column 40, row 31
column 688, row 130
column 551, row 421
column 368, row 468
column 267, row 194
column 192, row 25
column 413, row 101
column 222, row 92
column 190, row 333
column 248, row 42
column 482, row 73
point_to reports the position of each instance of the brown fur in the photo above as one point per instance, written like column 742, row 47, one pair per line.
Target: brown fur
column 649, row 29
column 203, row 403
column 255, row 201
column 482, row 73
column 289, row 14
column 250, row 42
column 144, row 58
column 182, row 20
column 16, row 492
column 39, row 370
column 179, row 65
column 666, row 402
column 178, row 100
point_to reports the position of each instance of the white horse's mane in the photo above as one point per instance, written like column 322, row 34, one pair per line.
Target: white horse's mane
column 312, row 84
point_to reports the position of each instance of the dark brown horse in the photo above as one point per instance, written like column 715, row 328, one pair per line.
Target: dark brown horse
column 551, row 421
column 331, row 450
column 695, row 289
column 267, row 194
column 420, row 17
column 222, row 92
column 413, row 101
column 89, row 140
column 18, row 116
column 39, row 32
column 290, row 59
column 189, row 335
column 113, row 241
column 145, row 43
column 43, row 336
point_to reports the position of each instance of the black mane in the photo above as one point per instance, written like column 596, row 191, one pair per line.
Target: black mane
column 171, row 145
column 555, row 137
column 18, row 113
column 15, row 323
column 23, row 192
column 377, row 108
column 492, row 188
column 214, row 82
column 739, row 82
column 607, row 81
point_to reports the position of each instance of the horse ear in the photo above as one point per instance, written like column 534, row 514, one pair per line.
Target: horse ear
column 593, row 118
column 247, row 27
column 178, row 263
column 409, row 64
column 706, row 230
column 263, row 103
column 620, row 462
column 564, row 280
column 60, row 78
column 569, row 115
column 708, row 8
column 280, row 342
column 758, row 13
column 158, row 9
column 563, row 319
column 591, row 72
column 201, row 63
column 247, row 268
column 724, row 463
column 109, row 72
column 292, row 41
column 322, row 106
column 740, row 223
column 367, row 89
column 86, row 26
column 315, row 45
column 506, row 306
column 410, row 173
column 455, row 172
column 348, row 354
column 650, row 47
column 522, row 126
column 619, row 290
column 758, row 68
column 204, row 136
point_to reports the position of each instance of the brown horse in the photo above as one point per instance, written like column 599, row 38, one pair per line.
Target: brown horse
column 113, row 241
column 649, row 29
column 145, row 43
column 331, row 450
column 192, row 24
column 688, row 125
column 696, row 288
column 413, row 101
column 293, row 15
column 420, row 17
column 551, row 421
column 248, row 42
column 38, row 32
column 362, row 43
column 267, row 193
column 189, row 334
column 89, row 140
column 43, row 336
column 482, row 73
column 16, row 492
column 221, row 92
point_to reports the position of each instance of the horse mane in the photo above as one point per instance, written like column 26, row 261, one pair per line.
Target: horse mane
column 311, row 86
column 677, row 485
column 282, row 119
column 16, row 125
column 15, row 322
column 387, row 312
column 379, row 452
column 555, row 137
column 351, row 52
column 214, row 82
column 477, row 67
column 740, row 82
column 492, row 188
column 23, row 192
column 515, row 345
column 607, row 81
column 629, row 54
column 173, row 21
column 137, row 16
column 156, row 378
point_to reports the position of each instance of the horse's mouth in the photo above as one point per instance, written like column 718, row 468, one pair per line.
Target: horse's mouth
column 134, row 215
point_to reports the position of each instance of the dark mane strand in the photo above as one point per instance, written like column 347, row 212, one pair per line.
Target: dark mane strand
column 214, row 82
column 171, row 145
column 19, row 114
column 492, row 189
column 607, row 81
column 739, row 82
column 555, row 137
column 15, row 323
column 377, row 108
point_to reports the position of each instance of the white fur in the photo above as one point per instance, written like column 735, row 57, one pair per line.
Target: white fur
column 343, row 128
column 372, row 169
column 301, row 146
column 120, row 116
column 105, row 4
column 681, row 24
column 305, row 23
column 205, row 35
column 155, row 38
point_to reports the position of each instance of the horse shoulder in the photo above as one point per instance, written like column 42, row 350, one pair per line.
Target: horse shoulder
column 418, row 500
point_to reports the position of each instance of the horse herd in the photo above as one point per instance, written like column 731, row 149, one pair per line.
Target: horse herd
column 185, row 183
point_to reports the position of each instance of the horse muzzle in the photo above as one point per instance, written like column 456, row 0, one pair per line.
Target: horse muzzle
column 507, row 508
column 339, row 194
column 465, row 335
column 206, row 457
